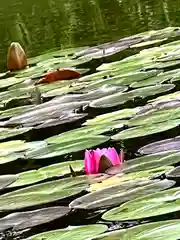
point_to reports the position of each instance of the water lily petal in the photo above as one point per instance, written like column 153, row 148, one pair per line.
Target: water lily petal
column 89, row 162
column 96, row 158
column 113, row 156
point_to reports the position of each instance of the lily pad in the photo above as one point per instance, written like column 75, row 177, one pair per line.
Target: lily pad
column 150, row 231
column 118, row 194
column 82, row 232
column 166, row 97
column 149, row 206
column 16, row 97
column 42, row 193
column 7, row 180
column 160, row 78
column 67, row 146
column 151, row 161
column 147, row 43
column 11, row 158
column 55, row 170
column 84, row 132
column 146, row 130
column 54, row 53
column 113, row 116
column 7, row 82
column 155, row 117
column 174, row 174
column 14, row 111
column 22, row 220
column 120, row 98
column 121, row 178
column 124, row 79
column 12, row 132
column 171, row 144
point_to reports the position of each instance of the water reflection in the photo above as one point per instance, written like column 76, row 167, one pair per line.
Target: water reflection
column 44, row 24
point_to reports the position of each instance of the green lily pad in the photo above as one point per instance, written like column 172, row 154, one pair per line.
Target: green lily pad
column 42, row 193
column 151, row 161
column 118, row 194
column 147, row 43
column 95, row 76
column 146, row 130
column 120, row 177
column 171, row 144
column 49, row 111
column 113, row 116
column 50, row 65
column 160, row 78
column 16, row 97
column 22, row 220
column 7, row 180
column 11, row 158
column 55, row 170
column 10, row 148
column 149, row 206
column 120, row 98
column 12, row 132
column 84, row 132
column 14, row 111
column 124, row 79
column 159, row 230
column 82, row 232
column 167, row 97
column 67, row 146
column 7, row 82
column 155, row 117
column 55, row 53
column 174, row 174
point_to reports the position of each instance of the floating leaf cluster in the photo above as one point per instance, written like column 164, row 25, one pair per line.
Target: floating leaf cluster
column 132, row 103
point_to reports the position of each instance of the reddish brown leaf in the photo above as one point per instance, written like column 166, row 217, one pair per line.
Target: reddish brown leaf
column 63, row 74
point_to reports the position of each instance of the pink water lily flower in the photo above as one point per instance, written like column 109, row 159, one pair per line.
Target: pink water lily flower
column 99, row 160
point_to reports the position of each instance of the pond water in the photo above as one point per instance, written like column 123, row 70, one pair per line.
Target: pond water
column 45, row 24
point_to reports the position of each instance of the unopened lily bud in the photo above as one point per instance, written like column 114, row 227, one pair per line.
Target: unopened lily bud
column 16, row 58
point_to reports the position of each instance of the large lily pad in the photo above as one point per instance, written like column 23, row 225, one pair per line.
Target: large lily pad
column 124, row 79
column 110, row 117
column 151, row 161
column 6, row 180
column 12, row 132
column 14, row 111
column 55, row 170
column 160, row 146
column 11, row 158
column 160, row 78
column 42, row 193
column 155, row 117
column 159, row 230
column 80, row 232
column 55, row 53
column 118, row 194
column 67, row 146
column 22, row 220
column 121, row 178
column 121, row 98
column 148, row 206
column 84, row 132
column 7, row 82
column 146, row 130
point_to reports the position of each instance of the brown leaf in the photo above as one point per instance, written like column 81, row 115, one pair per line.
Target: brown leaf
column 63, row 74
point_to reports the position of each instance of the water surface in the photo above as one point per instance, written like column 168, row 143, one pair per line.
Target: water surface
column 45, row 24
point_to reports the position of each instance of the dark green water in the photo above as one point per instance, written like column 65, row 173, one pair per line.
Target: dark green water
column 45, row 24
